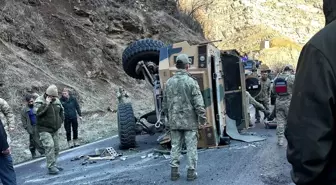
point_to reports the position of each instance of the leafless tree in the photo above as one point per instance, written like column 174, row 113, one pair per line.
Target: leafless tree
column 196, row 5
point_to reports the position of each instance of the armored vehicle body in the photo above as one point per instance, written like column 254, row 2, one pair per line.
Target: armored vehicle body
column 220, row 75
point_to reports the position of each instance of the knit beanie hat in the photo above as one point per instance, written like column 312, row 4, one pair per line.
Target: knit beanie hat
column 52, row 90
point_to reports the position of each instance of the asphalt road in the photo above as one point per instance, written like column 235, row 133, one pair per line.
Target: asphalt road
column 261, row 163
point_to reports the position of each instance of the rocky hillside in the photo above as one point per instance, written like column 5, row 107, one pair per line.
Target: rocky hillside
column 78, row 44
column 243, row 24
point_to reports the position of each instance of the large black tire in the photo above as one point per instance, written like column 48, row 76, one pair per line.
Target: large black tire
column 141, row 50
column 126, row 126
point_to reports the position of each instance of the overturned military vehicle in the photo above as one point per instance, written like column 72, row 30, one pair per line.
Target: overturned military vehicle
column 220, row 75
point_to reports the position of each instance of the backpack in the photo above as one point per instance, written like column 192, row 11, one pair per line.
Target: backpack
column 280, row 85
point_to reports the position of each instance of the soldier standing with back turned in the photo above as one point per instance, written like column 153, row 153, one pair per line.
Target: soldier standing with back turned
column 184, row 107
column 283, row 87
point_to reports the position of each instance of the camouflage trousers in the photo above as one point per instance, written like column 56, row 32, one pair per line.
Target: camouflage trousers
column 266, row 104
column 51, row 147
column 178, row 137
column 282, row 106
column 35, row 143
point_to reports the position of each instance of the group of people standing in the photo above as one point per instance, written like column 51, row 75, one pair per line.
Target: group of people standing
column 42, row 117
column 282, row 86
column 184, row 107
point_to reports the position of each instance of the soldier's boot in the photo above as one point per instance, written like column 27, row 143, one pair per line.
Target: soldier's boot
column 69, row 145
column 33, row 153
column 191, row 175
column 42, row 153
column 280, row 141
column 250, row 123
column 75, row 143
column 174, row 175
column 267, row 115
column 59, row 168
column 53, row 170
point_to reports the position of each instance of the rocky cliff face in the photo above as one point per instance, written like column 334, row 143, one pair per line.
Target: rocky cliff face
column 243, row 24
column 78, row 44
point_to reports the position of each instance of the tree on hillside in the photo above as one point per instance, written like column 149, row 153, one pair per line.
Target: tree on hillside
column 190, row 10
column 194, row 5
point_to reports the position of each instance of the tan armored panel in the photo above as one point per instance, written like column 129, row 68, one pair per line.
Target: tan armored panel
column 206, row 68
column 219, row 74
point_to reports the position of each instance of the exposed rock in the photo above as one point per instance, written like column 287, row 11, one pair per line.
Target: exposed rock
column 32, row 2
column 244, row 24
column 8, row 19
column 27, row 41
column 50, row 44
column 81, row 12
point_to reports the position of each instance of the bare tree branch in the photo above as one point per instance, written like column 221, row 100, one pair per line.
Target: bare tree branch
column 198, row 5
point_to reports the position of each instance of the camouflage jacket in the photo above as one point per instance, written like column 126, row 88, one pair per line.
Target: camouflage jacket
column 183, row 102
column 290, row 83
column 265, row 90
column 251, row 100
column 6, row 115
column 49, row 116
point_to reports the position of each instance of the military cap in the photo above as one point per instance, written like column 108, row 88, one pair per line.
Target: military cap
column 288, row 67
column 183, row 58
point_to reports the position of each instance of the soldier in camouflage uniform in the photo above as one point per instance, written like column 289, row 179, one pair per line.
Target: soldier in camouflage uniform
column 50, row 116
column 184, row 107
column 251, row 100
column 122, row 95
column 7, row 118
column 265, row 93
column 256, row 104
column 283, row 102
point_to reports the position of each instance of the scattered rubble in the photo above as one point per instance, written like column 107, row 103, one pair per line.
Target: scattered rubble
column 100, row 154
column 242, row 147
column 166, row 156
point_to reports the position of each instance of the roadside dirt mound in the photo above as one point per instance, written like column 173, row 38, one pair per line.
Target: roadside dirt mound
column 78, row 44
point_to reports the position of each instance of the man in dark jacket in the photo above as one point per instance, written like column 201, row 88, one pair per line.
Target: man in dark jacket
column 50, row 116
column 71, row 108
column 7, row 172
column 311, row 130
column 28, row 119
